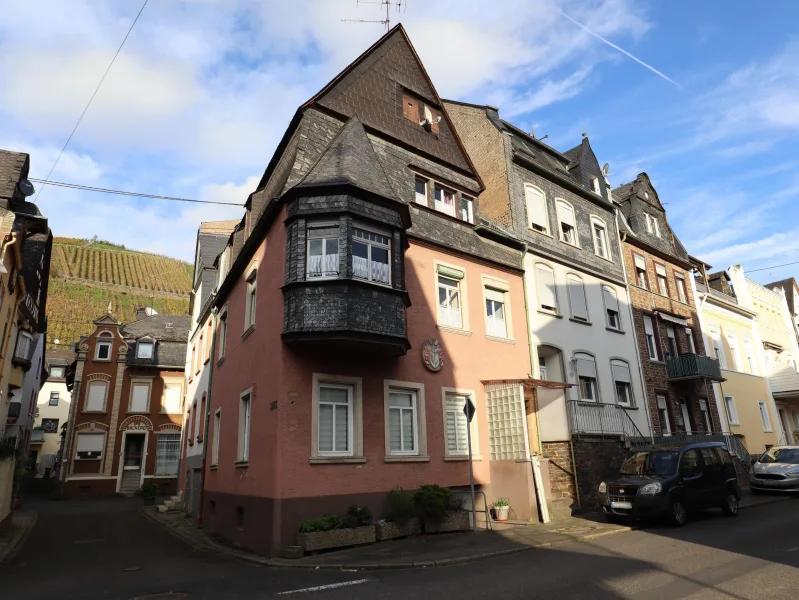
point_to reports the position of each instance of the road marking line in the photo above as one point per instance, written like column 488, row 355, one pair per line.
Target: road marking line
column 329, row 586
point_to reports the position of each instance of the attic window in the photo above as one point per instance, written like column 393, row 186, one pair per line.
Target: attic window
column 646, row 195
column 170, row 325
column 144, row 350
column 595, row 184
column 420, row 113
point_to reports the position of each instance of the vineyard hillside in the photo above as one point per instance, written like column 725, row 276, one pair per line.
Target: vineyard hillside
column 85, row 275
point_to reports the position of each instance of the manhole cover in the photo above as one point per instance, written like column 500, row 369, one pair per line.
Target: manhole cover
column 163, row 596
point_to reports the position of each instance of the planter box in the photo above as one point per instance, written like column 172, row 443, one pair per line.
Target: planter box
column 456, row 520
column 390, row 531
column 336, row 538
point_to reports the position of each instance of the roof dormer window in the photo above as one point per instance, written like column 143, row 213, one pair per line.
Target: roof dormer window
column 144, row 350
column 595, row 184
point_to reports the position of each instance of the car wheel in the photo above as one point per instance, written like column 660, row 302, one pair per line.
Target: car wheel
column 730, row 506
column 678, row 514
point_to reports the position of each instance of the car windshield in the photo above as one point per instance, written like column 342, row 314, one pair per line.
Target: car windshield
column 651, row 463
column 781, row 455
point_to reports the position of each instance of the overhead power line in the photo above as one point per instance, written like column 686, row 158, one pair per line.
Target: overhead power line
column 772, row 267
column 97, row 89
column 88, row 188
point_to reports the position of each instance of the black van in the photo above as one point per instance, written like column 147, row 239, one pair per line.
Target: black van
column 671, row 481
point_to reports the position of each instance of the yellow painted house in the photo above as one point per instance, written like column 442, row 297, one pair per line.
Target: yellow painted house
column 779, row 346
column 731, row 334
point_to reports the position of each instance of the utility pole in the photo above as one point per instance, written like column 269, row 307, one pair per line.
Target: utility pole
column 400, row 5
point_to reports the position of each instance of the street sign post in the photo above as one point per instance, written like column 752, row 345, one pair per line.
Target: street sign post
column 468, row 410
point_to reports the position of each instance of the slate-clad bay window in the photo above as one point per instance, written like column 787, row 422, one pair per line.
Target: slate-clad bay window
column 444, row 200
column 536, row 209
column 613, row 316
column 370, row 256
column 568, row 226
column 323, row 258
column 421, row 190
column 449, row 297
column 585, row 365
column 623, row 382
column 545, row 283
column 335, row 419
column 577, row 298
column 467, row 208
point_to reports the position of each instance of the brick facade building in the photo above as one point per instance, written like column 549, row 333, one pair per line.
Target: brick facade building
column 677, row 370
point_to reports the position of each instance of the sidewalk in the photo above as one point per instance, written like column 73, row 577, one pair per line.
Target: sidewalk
column 426, row 550
column 22, row 522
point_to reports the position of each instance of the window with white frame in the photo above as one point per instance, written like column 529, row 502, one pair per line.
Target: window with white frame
column 671, row 340
column 215, row 440
column 662, row 278
column 648, row 222
column 681, row 293
column 545, row 283
column 139, row 396
column 450, row 313
column 764, row 416
column 421, row 190
column 90, row 446
column 167, row 454
column 245, row 414
column 335, row 419
column 536, row 209
column 718, row 350
column 222, row 334
column 95, row 396
column 444, row 200
column 595, row 184
column 568, row 225
column 144, row 350
column 457, row 426
column 577, row 302
column 706, row 421
column 24, row 345
column 103, row 348
column 663, row 415
column 585, row 366
column 651, row 340
column 656, row 226
column 732, row 411
column 612, row 313
column 735, row 358
column 689, row 336
column 652, row 225
column 403, row 423
column 54, row 398
column 56, row 372
column 749, row 353
column 542, row 368
column 495, row 313
column 795, row 416
column 370, row 256
column 640, row 271
column 600, row 233
column 622, row 379
column 323, row 260
column 467, row 208
column 173, row 392
column 252, row 299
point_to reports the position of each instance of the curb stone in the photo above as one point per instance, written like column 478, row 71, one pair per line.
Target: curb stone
column 19, row 538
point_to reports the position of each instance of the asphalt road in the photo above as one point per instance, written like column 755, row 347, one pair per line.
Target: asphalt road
column 106, row 549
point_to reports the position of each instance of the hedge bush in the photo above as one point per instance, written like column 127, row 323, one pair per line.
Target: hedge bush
column 432, row 502
column 401, row 507
column 357, row 516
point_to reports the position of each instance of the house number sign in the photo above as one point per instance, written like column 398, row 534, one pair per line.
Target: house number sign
column 432, row 355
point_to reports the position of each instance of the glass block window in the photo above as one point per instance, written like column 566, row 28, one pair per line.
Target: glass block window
column 506, row 422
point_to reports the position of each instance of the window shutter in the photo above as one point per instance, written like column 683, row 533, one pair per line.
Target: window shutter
column 172, row 399
column 586, row 367
column 140, row 393
column 90, row 442
column 342, row 428
column 577, row 298
column 495, row 295
column 566, row 214
column 546, row 287
column 611, row 303
column 325, row 428
column 96, row 396
column 536, row 207
column 410, row 108
column 640, row 263
column 456, row 426
column 661, row 402
column 621, row 371
column 661, row 270
column 648, row 326
column 450, row 272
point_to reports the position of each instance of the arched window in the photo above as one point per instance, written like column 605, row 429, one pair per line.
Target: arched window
column 599, row 231
column 622, row 380
column 547, row 294
column 567, row 223
column 577, row 298
column 585, row 366
column 536, row 209
column 612, row 313
column 103, row 348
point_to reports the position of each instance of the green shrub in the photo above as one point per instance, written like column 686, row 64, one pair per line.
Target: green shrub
column 400, row 506
column 148, row 490
column 432, row 502
column 357, row 516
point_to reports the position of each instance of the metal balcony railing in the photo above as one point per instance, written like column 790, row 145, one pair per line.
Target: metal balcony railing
column 596, row 418
column 693, row 366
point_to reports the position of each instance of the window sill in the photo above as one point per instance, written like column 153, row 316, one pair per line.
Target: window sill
column 459, row 458
column 580, row 321
column 406, row 459
column 94, row 412
column 550, row 314
column 220, row 362
column 248, row 332
column 546, row 233
column 449, row 329
column 570, row 244
column 241, row 464
column 657, row 362
column 138, row 412
column 495, row 338
column 610, row 260
column 213, row 467
column 102, row 360
column 87, row 459
column 625, row 407
column 614, row 330
column 332, row 460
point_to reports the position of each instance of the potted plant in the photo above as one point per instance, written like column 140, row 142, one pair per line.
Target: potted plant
column 148, row 491
column 401, row 519
column 337, row 531
column 501, row 509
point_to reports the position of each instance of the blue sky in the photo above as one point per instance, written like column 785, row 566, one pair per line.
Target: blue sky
column 203, row 90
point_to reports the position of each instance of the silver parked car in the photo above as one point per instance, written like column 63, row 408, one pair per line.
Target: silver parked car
column 776, row 470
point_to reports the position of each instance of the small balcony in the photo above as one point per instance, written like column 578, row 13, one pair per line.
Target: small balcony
column 693, row 366
column 37, row 436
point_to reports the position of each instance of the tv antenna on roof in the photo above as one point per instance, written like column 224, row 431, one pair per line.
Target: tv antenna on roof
column 400, row 5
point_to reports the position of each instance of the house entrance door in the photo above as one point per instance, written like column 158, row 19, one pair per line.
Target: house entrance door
column 134, row 446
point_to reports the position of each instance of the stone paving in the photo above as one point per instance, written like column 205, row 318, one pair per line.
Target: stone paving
column 22, row 522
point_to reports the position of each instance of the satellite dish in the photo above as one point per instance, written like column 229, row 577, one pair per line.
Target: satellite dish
column 605, row 169
column 25, row 188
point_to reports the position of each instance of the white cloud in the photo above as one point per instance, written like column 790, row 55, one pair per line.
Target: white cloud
column 745, row 149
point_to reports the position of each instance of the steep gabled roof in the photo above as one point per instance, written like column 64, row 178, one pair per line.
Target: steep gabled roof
column 791, row 289
column 13, row 167
column 158, row 327
column 350, row 159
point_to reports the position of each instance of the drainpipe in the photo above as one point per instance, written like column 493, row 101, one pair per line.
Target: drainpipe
column 532, row 355
column 207, row 439
column 623, row 238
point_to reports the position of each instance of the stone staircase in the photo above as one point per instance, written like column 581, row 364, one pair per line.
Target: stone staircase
column 130, row 483
column 174, row 504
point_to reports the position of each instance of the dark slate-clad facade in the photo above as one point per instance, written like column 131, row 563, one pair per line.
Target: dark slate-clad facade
column 363, row 279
